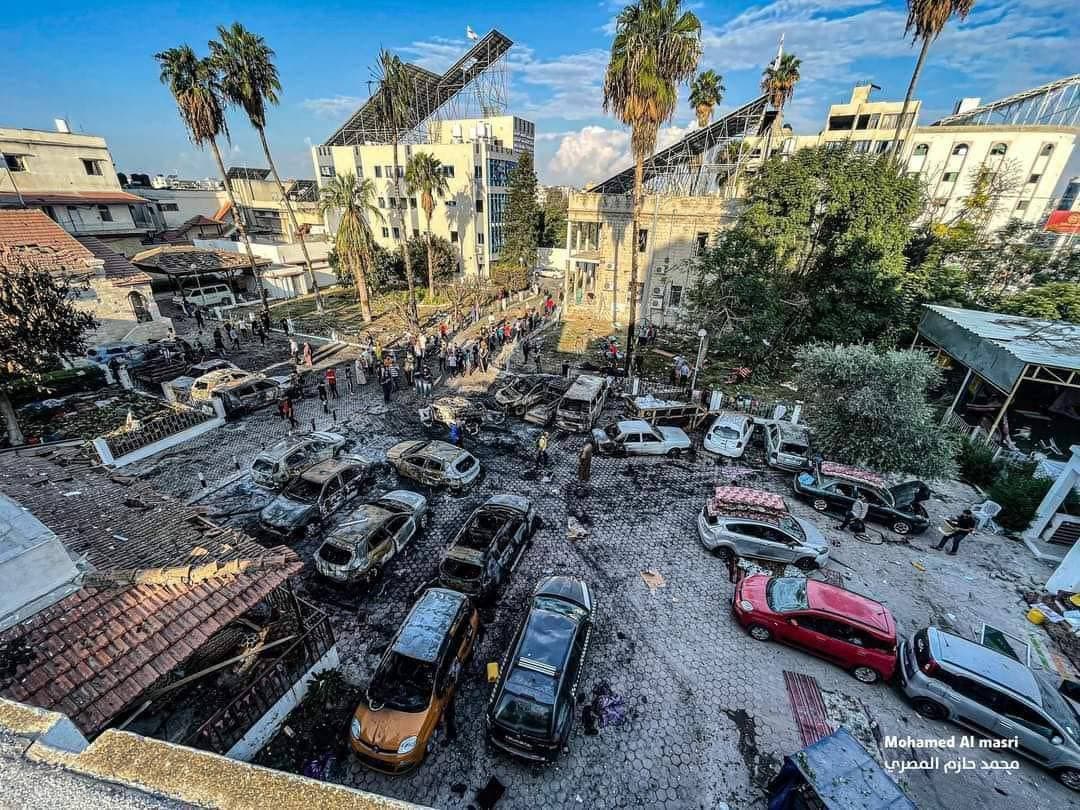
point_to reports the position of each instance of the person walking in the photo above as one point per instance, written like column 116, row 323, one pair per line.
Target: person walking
column 219, row 340
column 395, row 374
column 455, row 434
column 450, row 362
column 482, row 356
column 856, row 514
column 386, row 381
column 409, row 368
column 307, row 354
column 349, row 378
column 331, row 382
column 584, row 467
column 322, row 393
column 536, row 359
column 234, row 336
column 962, row 527
column 290, row 413
column 265, row 318
column 294, row 351
column 541, row 450
column 525, row 350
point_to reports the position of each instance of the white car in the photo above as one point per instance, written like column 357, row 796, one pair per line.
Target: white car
column 637, row 437
column 729, row 434
column 209, row 295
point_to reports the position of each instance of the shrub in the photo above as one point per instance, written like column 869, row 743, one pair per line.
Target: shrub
column 1019, row 491
column 511, row 276
column 976, row 463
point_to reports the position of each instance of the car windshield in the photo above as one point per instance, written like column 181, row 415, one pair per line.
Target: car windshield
column 402, row 683
column 793, row 448
column 261, row 465
column 1059, row 709
column 725, row 432
column 335, row 555
column 791, row 526
column 303, row 491
column 523, row 714
column 574, row 405
column 786, row 594
column 612, row 431
column 521, row 385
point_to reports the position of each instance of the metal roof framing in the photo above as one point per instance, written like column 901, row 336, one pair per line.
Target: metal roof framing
column 1055, row 103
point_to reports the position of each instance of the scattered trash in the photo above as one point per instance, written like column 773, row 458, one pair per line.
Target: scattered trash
column 490, row 794
column 288, row 732
column 653, row 579
column 918, row 566
column 319, row 768
column 574, row 529
column 606, row 708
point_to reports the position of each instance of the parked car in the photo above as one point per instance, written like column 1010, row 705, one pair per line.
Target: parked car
column 280, row 462
column 213, row 364
column 729, row 434
column 838, row 625
column 950, row 678
column 787, row 445
column 435, row 463
column 123, row 352
column 837, row 486
column 639, row 438
column 316, row 494
column 522, row 393
column 360, row 548
column 208, row 295
column 753, row 523
column 205, row 386
column 542, row 411
column 417, row 676
column 244, row 396
column 582, row 403
column 487, row 548
column 531, row 709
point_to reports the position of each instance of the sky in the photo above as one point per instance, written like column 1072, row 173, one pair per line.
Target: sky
column 93, row 64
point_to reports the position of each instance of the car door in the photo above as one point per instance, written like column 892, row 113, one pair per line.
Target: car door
column 879, row 508
column 434, row 472
column 808, row 632
column 332, row 497
column 750, row 541
column 628, row 443
column 651, row 444
column 1032, row 731
column 972, row 702
column 411, row 466
column 382, row 546
column 403, row 530
column 351, row 482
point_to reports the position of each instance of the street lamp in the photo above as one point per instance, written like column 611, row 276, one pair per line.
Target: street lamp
column 702, row 334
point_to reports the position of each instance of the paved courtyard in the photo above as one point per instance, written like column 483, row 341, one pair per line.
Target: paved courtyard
column 707, row 717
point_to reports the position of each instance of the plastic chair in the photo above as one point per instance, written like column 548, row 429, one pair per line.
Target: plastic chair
column 984, row 514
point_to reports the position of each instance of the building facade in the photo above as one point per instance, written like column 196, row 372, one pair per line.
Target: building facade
column 477, row 156
column 72, row 178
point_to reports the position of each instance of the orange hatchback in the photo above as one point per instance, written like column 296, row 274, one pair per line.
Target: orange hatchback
column 415, row 680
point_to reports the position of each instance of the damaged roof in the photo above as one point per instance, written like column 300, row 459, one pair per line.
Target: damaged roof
column 425, row 628
column 29, row 237
column 118, row 270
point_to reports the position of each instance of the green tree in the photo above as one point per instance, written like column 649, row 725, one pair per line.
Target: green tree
column 353, row 202
column 249, row 80
column 443, row 256
column 871, row 409
column 38, row 324
column 394, row 102
column 196, row 87
column 926, row 19
column 424, row 176
column 1057, row 301
column 706, row 91
column 778, row 80
column 817, row 253
column 553, row 218
column 521, row 232
column 656, row 47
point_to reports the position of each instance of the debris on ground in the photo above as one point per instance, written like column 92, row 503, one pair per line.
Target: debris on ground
column 574, row 529
column 653, row 579
column 490, row 794
column 610, row 709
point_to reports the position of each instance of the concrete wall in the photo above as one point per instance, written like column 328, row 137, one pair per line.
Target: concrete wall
column 54, row 161
column 188, row 203
column 112, row 307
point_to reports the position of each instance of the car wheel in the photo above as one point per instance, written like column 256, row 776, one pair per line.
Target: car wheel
column 1069, row 777
column 724, row 553
column 901, row 527
column 821, row 504
column 930, row 709
column 675, row 452
column 759, row 632
column 806, row 564
column 866, row 675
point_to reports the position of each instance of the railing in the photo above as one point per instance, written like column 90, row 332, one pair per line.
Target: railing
column 175, row 420
column 228, row 725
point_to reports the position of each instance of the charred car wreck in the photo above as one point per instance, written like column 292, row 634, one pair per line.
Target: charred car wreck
column 489, row 545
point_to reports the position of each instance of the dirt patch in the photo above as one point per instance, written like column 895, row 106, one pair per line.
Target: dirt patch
column 762, row 767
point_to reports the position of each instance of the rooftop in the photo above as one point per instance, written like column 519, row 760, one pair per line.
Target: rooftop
column 28, row 236
column 8, row 198
column 178, row 260
column 118, row 269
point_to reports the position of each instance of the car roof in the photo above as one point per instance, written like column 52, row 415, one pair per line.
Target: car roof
column 730, row 419
column 366, row 519
column 990, row 664
column 585, row 387
column 640, row 425
column 517, row 502
column 567, row 588
column 425, row 629
column 842, row 602
column 444, row 451
column 546, row 642
column 325, row 470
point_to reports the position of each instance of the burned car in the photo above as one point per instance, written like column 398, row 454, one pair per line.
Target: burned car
column 434, row 463
column 531, row 710
column 280, row 462
column 787, row 445
column 360, row 548
column 542, row 411
column 528, row 390
column 416, row 678
column 468, row 414
column 489, row 546
column 658, row 411
column 316, row 494
column 635, row 437
column 582, row 403
column 206, row 385
column 838, row 485
column 244, row 396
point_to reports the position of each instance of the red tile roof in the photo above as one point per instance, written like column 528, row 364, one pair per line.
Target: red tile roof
column 179, row 233
column 118, row 269
column 29, row 237
column 70, row 198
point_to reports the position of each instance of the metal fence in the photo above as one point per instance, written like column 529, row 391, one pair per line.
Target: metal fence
column 177, row 419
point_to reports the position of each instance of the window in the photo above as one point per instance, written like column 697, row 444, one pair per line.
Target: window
column 702, row 241
column 949, row 177
column 479, row 206
column 382, row 202
column 327, row 171
column 998, row 149
column 169, row 207
column 960, row 149
column 499, row 171
column 841, row 121
column 397, row 233
column 479, row 238
column 389, row 171
column 478, row 172
column 400, row 171
column 412, row 202
column 642, row 239
column 921, row 149
column 1022, row 205
column 92, row 167
column 1035, row 178
column 393, row 202
column 1024, row 715
column 453, row 237
column 451, row 203
column 403, row 203
column 1047, row 150
column 15, row 163
column 104, row 213
column 378, row 171
column 867, row 121
column 888, row 121
column 862, row 147
column 386, row 233
column 881, row 147
column 448, row 171
column 675, row 296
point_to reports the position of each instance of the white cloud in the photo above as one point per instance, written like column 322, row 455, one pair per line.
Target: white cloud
column 332, row 107
column 594, row 153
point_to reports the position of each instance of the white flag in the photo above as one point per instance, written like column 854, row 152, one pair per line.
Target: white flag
column 470, row 33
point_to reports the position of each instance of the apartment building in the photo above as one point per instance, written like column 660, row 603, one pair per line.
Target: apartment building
column 477, row 156
column 72, row 178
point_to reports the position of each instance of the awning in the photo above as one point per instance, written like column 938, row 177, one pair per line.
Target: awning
column 32, row 198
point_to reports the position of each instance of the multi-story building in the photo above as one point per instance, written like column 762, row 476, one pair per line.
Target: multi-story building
column 263, row 208
column 72, row 178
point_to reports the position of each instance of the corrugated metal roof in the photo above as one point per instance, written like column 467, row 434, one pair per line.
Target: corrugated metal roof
column 1030, row 340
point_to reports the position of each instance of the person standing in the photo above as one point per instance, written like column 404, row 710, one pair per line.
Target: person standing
column 307, row 354
column 856, row 514
column 198, row 319
column 541, row 449
column 483, row 357
column 395, row 374
column 219, row 340
column 536, row 359
column 386, row 381
column 331, row 382
column 266, row 321
column 349, row 378
column 294, row 351
column 290, row 413
column 584, row 467
column 450, row 361
column 962, row 527
column 322, row 393
column 409, row 368
column 525, row 350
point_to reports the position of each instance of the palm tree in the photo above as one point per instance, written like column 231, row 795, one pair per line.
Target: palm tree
column 393, row 102
column 926, row 19
column 354, row 202
column 249, row 80
column 706, row 91
column 778, row 82
column 424, row 176
column 656, row 46
column 196, row 87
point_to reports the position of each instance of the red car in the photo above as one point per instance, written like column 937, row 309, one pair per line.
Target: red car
column 857, row 633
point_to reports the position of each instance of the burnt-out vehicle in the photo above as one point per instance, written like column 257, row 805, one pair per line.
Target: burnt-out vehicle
column 468, row 414
column 528, row 390
column 489, row 546
column 316, row 494
column 280, row 462
column 531, row 710
column 434, row 463
column 542, row 411
column 836, row 486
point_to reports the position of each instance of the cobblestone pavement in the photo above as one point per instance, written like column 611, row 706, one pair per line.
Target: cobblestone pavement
column 708, row 718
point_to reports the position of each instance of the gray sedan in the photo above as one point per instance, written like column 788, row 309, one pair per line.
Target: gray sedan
column 786, row 539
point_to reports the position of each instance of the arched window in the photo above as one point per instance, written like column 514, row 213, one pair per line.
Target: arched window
column 998, row 149
column 1047, row 150
column 960, row 149
column 921, row 149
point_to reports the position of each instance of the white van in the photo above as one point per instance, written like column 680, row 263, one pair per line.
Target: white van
column 582, row 403
column 209, row 295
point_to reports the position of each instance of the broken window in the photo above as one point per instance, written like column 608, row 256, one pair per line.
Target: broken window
column 402, row 683
column 642, row 239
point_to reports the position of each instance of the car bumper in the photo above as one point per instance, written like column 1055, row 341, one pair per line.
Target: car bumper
column 705, row 534
column 392, row 764
column 790, row 463
column 723, row 448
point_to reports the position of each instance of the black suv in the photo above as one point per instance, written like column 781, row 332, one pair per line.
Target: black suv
column 836, row 487
column 531, row 711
